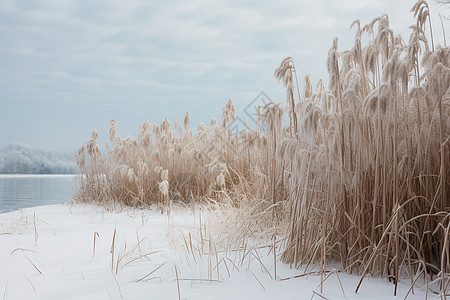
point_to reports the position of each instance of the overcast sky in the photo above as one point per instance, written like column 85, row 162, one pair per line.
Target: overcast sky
column 68, row 66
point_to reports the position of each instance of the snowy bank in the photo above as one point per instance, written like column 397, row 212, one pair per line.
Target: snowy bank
column 48, row 253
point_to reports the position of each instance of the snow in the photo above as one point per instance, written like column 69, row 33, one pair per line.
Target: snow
column 47, row 252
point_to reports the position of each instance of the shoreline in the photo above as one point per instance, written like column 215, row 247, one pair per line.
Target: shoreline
column 37, row 175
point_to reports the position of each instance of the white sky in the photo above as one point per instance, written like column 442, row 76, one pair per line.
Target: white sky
column 68, row 66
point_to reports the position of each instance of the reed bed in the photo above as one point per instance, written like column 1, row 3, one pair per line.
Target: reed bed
column 360, row 175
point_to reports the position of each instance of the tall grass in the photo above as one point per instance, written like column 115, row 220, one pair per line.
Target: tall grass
column 371, row 170
column 361, row 174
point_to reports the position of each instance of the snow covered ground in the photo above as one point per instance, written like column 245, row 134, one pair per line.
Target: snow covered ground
column 48, row 253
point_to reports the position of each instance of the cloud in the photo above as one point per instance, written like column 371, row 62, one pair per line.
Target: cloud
column 156, row 58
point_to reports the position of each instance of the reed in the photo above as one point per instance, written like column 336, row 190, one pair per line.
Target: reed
column 373, row 192
column 360, row 175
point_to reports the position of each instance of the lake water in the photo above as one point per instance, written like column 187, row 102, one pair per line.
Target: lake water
column 22, row 191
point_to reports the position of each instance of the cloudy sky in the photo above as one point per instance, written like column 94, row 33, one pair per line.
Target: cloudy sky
column 68, row 66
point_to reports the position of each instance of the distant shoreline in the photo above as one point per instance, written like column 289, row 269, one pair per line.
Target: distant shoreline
column 37, row 175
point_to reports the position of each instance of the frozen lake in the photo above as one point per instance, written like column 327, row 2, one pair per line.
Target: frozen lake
column 21, row 191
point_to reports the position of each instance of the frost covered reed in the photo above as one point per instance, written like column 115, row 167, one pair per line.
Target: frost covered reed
column 360, row 176
column 370, row 172
column 164, row 164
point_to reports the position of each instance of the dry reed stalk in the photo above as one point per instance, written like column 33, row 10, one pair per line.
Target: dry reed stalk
column 37, row 269
column 5, row 293
column 274, row 258
column 318, row 294
column 121, row 255
column 258, row 281
column 95, row 236
column 178, row 283
column 112, row 250
column 139, row 257
column 32, row 285
column 153, row 271
column 118, row 286
column 36, row 234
